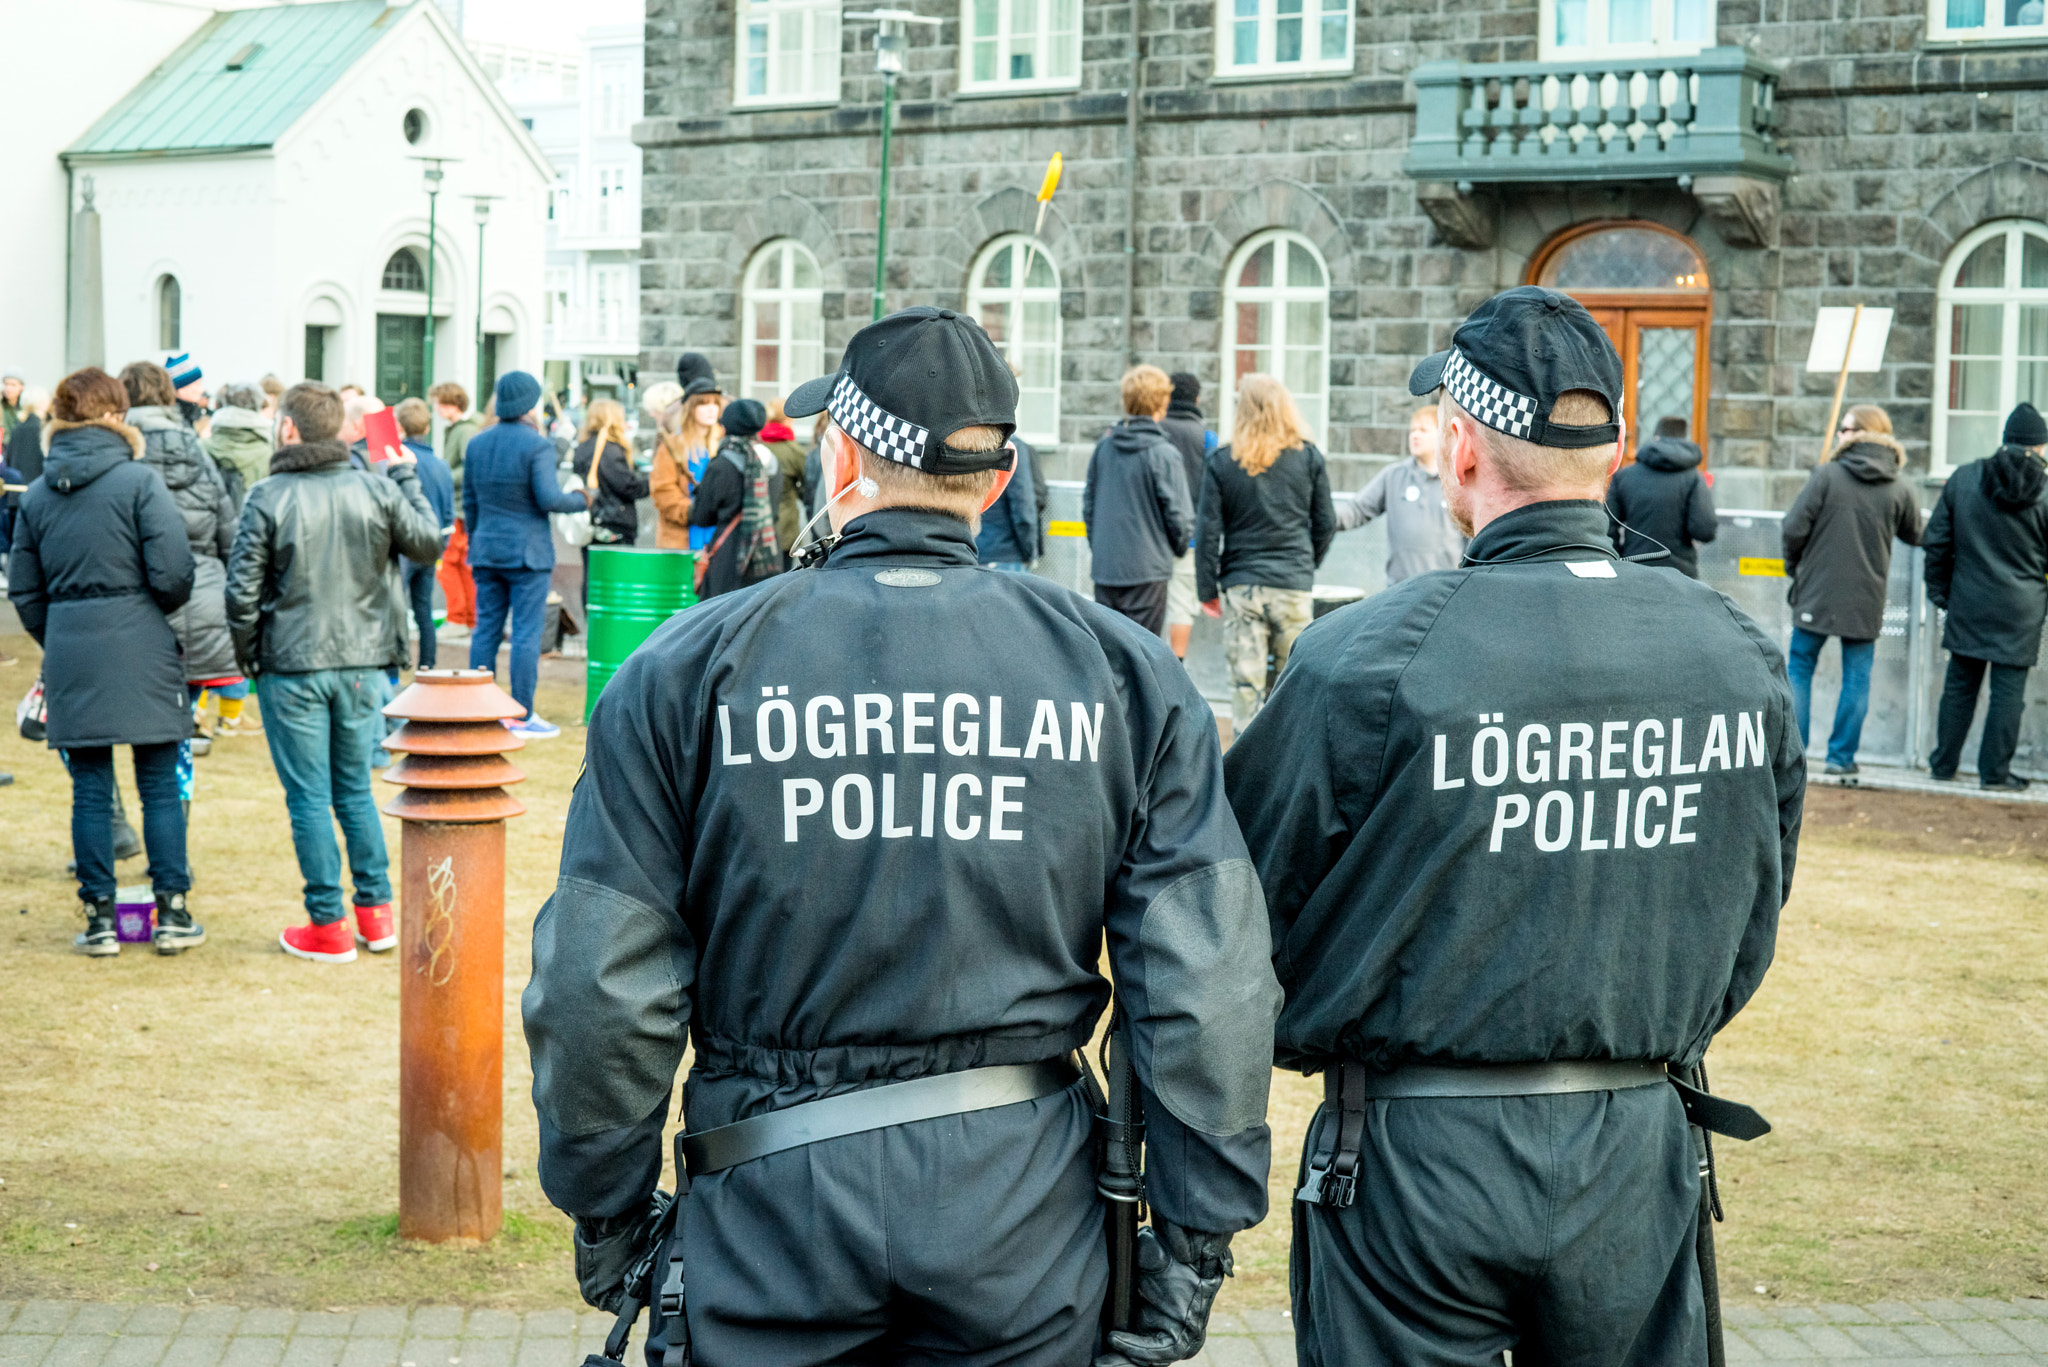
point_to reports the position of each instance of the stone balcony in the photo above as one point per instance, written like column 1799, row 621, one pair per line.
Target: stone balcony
column 1706, row 122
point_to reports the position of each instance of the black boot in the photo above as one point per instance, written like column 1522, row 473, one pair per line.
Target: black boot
column 176, row 931
column 98, row 939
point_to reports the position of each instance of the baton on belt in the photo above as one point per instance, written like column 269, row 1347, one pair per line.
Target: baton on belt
column 1120, row 1175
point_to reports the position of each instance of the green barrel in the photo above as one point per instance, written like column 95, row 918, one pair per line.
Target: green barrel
column 632, row 590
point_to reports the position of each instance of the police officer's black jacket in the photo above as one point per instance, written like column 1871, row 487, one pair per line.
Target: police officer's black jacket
column 869, row 822
column 1543, row 807
column 1987, row 559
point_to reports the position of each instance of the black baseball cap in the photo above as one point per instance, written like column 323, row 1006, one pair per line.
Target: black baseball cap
column 910, row 381
column 1515, row 354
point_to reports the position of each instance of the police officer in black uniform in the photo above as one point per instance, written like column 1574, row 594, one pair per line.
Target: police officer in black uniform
column 1524, row 828
column 859, row 833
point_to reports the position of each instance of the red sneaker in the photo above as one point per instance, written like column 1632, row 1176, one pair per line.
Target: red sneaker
column 328, row 944
column 375, row 930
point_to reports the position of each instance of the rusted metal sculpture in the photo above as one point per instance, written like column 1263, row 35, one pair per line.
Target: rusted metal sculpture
column 451, row 1000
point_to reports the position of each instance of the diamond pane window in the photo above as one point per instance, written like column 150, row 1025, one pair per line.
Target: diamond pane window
column 1279, row 329
column 1991, row 338
column 1283, row 37
column 784, row 321
column 1641, row 259
column 1015, row 293
column 1020, row 44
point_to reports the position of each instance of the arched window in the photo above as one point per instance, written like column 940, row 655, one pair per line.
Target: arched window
column 1276, row 309
column 1991, row 338
column 784, row 321
column 404, row 272
column 1015, row 292
column 170, row 309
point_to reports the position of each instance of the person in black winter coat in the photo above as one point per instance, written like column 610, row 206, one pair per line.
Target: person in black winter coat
column 1136, row 505
column 1267, row 521
column 734, row 478
column 1662, row 502
column 1189, row 432
column 100, row 557
column 25, row 442
column 1987, row 565
column 1838, row 549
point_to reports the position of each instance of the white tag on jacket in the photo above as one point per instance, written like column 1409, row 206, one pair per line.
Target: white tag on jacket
column 1591, row 569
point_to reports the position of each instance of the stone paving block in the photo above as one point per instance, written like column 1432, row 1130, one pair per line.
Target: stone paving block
column 1742, row 1316
column 136, row 1350
column 24, row 1350
column 1268, row 1322
column 7, row 1309
column 1796, row 1314
column 551, row 1324
column 491, row 1324
column 1234, row 1350
column 259, row 1322
column 1985, row 1337
column 387, row 1322
column 421, row 1352
column 1984, row 1308
column 99, row 1319
column 437, row 1322
column 1847, row 1314
column 245, row 1351
column 1829, row 1342
column 150, row 1319
column 188, row 1350
column 213, row 1321
column 1945, row 1311
column 42, row 1317
column 2031, row 1333
column 1933, row 1339
column 324, row 1324
column 1779, row 1345
column 538, row 1352
column 1739, row 1348
column 379, row 1350
column 79, row 1350
column 1896, row 1312
column 2033, row 1305
column 1227, row 1323
column 483, row 1352
column 1880, row 1341
column 318, row 1351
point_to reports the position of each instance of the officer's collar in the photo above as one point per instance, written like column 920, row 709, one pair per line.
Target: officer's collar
column 904, row 536
column 1567, row 529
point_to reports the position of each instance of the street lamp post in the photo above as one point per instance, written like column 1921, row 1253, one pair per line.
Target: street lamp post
column 889, row 45
column 432, row 174
column 483, row 216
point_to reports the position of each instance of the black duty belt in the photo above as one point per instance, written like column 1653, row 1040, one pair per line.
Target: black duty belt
column 1332, row 1178
column 898, row 1103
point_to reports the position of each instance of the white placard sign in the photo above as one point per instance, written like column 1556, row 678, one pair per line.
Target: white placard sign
column 1831, row 340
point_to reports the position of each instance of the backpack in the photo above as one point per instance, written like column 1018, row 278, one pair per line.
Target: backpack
column 758, row 556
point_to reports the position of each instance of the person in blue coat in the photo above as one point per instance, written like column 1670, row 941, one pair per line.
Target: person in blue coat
column 509, row 487
column 437, row 482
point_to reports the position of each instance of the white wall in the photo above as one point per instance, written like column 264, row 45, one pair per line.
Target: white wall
column 63, row 73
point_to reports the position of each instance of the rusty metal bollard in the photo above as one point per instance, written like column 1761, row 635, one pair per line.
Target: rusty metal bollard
column 451, row 929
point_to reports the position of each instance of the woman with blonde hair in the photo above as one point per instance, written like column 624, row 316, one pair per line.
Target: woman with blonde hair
column 680, row 454
column 1838, row 551
column 1265, row 523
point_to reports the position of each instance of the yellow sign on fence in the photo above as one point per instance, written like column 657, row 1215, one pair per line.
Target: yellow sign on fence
column 1760, row 567
column 1066, row 529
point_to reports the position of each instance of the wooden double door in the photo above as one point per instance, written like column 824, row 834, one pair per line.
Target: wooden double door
column 1663, row 361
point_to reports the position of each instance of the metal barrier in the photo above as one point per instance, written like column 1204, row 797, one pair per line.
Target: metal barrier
column 1744, row 562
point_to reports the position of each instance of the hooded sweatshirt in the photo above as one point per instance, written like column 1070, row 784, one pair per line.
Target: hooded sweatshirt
column 1987, row 558
column 1662, row 503
column 1838, row 539
column 239, row 440
column 1136, row 505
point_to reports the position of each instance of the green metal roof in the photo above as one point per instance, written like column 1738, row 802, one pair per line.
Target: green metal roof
column 289, row 55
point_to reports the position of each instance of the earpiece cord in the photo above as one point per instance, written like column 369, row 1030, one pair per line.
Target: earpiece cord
column 804, row 557
column 1663, row 552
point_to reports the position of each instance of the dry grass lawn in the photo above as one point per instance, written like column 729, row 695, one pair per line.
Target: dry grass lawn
column 223, row 1125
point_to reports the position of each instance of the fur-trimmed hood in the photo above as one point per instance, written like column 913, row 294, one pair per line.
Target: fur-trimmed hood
column 1873, row 457
column 310, row 455
column 77, row 453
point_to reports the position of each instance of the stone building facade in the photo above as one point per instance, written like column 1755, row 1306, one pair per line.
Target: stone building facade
column 1878, row 144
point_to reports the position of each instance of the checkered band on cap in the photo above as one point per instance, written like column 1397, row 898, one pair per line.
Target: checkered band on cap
column 874, row 427
column 1486, row 399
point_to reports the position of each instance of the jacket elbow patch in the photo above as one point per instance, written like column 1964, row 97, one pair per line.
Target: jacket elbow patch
column 604, row 1010
column 1213, row 999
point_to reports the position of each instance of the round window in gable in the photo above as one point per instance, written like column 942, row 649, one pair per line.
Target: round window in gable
column 415, row 125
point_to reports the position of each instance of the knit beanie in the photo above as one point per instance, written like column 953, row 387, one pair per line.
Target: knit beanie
column 694, row 374
column 184, row 370
column 1187, row 388
column 2024, row 426
column 518, row 392
column 743, row 418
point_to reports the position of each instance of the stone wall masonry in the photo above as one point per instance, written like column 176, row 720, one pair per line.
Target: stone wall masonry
column 1900, row 151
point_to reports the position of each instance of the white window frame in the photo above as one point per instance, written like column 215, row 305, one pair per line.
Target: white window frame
column 1267, row 66
column 1006, row 12
column 1315, row 413
column 2010, row 295
column 608, row 202
column 818, row 26
column 797, row 359
column 614, row 86
column 1663, row 18
column 1993, row 29
column 1014, row 296
column 611, row 290
column 559, row 284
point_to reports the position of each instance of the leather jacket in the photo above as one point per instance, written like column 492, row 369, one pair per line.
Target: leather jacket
column 313, row 579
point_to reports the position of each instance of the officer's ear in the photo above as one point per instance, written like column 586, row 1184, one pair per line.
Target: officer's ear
column 1002, row 483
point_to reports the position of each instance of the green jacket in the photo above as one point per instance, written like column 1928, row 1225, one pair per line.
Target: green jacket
column 454, row 442
column 239, row 440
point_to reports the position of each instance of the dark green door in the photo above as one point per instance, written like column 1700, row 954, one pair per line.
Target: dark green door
column 401, row 356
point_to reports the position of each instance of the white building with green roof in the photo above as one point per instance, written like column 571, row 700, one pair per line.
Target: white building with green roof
column 263, row 203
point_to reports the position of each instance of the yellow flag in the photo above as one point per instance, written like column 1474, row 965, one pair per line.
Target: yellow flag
column 1051, row 181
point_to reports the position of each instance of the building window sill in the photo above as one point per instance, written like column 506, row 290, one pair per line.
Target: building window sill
column 1017, row 90
column 1294, row 71
column 1990, row 41
column 762, row 105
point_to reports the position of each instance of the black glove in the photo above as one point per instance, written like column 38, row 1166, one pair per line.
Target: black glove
column 1179, row 1273
column 608, row 1250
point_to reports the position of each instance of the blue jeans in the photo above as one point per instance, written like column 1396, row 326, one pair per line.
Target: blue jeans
column 419, row 596
column 1854, row 701
column 92, row 817
column 322, row 727
column 524, row 594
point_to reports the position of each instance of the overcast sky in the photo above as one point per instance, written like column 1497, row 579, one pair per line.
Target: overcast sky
column 544, row 23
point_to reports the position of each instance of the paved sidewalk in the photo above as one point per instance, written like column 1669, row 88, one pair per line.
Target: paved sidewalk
column 1971, row 1333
